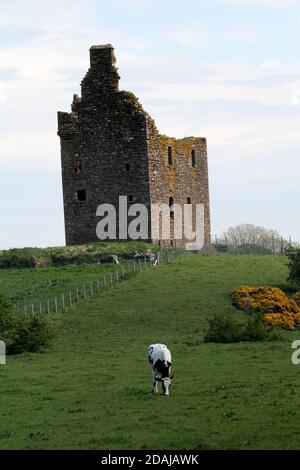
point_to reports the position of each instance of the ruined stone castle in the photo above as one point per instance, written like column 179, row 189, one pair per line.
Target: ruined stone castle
column 110, row 147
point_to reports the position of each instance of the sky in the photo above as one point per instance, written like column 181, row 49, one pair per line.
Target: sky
column 228, row 70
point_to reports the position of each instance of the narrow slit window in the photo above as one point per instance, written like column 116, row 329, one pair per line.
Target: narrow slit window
column 81, row 195
column 193, row 158
column 127, row 167
column 170, row 156
column 78, row 167
column 189, row 200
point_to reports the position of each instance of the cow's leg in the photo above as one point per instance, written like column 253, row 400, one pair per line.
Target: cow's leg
column 154, row 383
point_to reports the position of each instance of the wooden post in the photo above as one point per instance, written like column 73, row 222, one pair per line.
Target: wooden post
column 63, row 302
column 117, row 277
column 123, row 271
column 48, row 306
column 111, row 279
column 55, row 301
column 104, row 281
column 77, row 294
column 70, row 298
column 41, row 310
column 25, row 310
column 98, row 286
column 140, row 264
column 134, row 266
column 32, row 309
column 84, row 292
column 92, row 288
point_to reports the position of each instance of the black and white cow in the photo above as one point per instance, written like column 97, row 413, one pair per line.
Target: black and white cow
column 160, row 361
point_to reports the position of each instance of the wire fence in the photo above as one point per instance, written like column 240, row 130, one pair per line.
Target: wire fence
column 62, row 302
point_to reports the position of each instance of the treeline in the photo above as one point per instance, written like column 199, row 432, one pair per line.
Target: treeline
column 253, row 239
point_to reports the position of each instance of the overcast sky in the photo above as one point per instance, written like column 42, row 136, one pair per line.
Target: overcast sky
column 225, row 69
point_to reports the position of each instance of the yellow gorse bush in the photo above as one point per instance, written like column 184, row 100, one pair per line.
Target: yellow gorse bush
column 272, row 302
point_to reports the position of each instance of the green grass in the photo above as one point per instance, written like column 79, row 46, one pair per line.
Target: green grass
column 26, row 286
column 91, row 390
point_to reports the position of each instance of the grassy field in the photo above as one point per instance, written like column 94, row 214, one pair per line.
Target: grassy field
column 26, row 286
column 91, row 390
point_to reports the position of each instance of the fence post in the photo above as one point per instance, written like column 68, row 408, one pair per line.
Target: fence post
column 134, row 266
column 41, row 310
column 140, row 265
column 92, row 288
column 111, row 279
column 25, row 310
column 77, row 294
column 145, row 263
column 55, row 301
column 84, row 292
column 63, row 302
column 32, row 309
column 48, row 306
column 104, row 281
column 98, row 286
column 117, row 277
column 123, row 271
column 70, row 298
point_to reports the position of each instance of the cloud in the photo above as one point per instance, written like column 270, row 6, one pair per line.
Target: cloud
column 244, row 35
column 248, row 107
column 188, row 35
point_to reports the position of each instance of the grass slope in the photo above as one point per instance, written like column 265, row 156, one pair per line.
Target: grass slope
column 26, row 286
column 92, row 389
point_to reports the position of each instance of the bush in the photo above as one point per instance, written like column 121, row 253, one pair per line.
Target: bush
column 223, row 329
column 294, row 266
column 296, row 298
column 272, row 302
column 257, row 329
column 21, row 333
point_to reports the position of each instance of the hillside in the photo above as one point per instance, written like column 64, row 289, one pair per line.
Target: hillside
column 92, row 389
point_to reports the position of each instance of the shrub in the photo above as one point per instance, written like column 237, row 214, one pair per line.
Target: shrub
column 272, row 302
column 257, row 329
column 294, row 266
column 296, row 298
column 223, row 329
column 21, row 333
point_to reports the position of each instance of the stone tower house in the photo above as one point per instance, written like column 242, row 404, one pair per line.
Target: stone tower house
column 110, row 147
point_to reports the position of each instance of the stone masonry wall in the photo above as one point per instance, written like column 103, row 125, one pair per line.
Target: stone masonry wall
column 105, row 131
column 111, row 147
column 180, row 180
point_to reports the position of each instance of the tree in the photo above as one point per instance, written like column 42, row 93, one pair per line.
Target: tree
column 253, row 235
column 21, row 333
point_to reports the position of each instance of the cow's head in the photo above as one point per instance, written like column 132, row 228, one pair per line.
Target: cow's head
column 166, row 383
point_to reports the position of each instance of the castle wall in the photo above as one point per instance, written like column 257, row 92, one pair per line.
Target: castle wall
column 186, row 177
column 106, row 132
column 110, row 147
